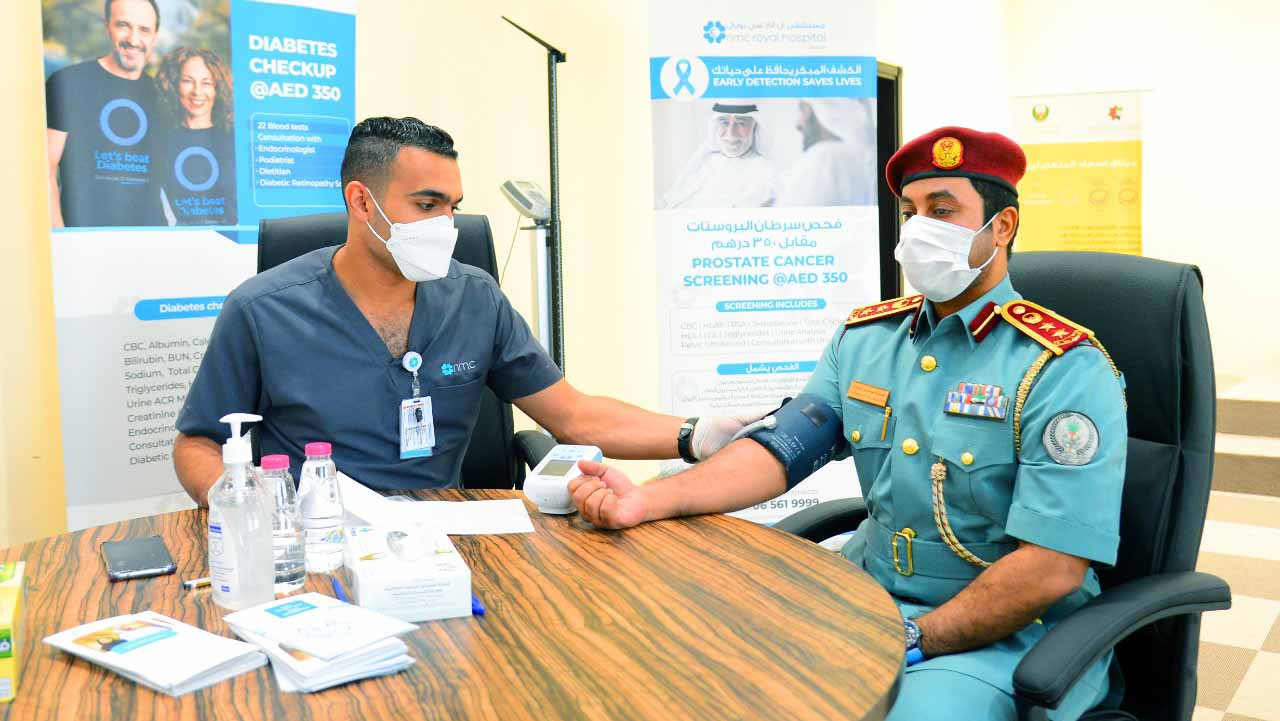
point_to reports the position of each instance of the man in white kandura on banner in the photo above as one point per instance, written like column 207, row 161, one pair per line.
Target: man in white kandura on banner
column 838, row 166
column 728, row 170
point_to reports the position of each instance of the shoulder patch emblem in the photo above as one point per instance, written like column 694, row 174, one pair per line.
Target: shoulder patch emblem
column 884, row 309
column 1071, row 439
column 1044, row 326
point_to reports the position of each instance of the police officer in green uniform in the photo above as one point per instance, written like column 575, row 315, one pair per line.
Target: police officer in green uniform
column 988, row 433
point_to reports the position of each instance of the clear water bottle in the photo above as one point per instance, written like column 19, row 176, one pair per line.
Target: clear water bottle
column 320, row 500
column 286, row 525
column 240, row 569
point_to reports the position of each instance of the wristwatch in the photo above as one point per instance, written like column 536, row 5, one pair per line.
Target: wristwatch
column 684, row 441
column 914, row 654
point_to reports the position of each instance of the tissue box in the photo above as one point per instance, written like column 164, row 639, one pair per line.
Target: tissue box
column 410, row 573
column 10, row 627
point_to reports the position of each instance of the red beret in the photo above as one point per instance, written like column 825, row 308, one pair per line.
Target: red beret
column 955, row 152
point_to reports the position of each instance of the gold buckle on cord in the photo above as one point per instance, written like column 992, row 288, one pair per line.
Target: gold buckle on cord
column 907, row 534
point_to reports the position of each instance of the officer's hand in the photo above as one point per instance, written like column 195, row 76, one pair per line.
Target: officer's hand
column 713, row 432
column 606, row 497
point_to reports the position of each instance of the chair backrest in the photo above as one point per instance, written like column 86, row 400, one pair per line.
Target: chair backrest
column 490, row 461
column 1150, row 315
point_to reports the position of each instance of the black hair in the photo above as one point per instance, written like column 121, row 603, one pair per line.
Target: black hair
column 375, row 142
column 106, row 11
column 995, row 198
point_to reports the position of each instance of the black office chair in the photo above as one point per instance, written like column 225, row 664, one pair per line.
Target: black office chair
column 1150, row 314
column 496, row 455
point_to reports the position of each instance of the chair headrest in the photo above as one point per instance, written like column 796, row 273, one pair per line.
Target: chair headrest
column 283, row 239
column 1138, row 308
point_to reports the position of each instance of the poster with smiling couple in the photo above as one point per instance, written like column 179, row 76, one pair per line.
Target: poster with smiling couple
column 172, row 128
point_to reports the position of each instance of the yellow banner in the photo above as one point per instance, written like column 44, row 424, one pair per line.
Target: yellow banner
column 1082, row 196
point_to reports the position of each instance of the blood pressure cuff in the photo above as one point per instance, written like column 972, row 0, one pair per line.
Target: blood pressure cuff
column 808, row 436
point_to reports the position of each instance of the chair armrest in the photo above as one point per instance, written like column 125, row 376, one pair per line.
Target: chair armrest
column 1058, row 660
column 531, row 446
column 827, row 519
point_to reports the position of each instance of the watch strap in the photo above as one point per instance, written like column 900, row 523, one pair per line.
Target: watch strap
column 684, row 441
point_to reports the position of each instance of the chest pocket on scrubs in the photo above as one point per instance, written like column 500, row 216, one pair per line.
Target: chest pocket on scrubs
column 980, row 464
column 864, row 424
column 455, row 409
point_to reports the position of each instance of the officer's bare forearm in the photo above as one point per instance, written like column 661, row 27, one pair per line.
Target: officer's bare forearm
column 743, row 474
column 198, row 462
column 1011, row 593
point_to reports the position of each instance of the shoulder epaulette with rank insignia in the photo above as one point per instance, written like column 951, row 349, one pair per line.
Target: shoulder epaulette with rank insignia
column 884, row 309
column 1043, row 325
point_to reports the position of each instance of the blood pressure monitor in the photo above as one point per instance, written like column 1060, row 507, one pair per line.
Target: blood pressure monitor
column 548, row 483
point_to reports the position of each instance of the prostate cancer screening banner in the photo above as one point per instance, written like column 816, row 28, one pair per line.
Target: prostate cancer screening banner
column 764, row 147
column 173, row 127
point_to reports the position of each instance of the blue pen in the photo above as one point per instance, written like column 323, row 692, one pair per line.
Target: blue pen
column 337, row 590
column 477, row 609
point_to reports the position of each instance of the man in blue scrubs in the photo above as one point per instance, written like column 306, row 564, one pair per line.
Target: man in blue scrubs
column 989, row 435
column 318, row 345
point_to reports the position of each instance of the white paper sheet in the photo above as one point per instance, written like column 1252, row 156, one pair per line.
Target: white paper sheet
column 455, row 518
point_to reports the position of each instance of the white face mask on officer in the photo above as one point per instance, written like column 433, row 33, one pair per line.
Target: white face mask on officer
column 421, row 249
column 935, row 256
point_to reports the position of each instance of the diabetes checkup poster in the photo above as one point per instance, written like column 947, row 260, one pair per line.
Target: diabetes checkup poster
column 173, row 127
column 764, row 150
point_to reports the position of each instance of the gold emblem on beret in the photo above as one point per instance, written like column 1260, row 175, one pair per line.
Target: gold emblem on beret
column 948, row 153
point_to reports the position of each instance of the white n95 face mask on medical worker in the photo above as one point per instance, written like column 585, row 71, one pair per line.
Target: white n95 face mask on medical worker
column 935, row 256
column 421, row 249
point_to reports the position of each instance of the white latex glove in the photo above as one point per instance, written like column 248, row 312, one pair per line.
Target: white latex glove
column 714, row 432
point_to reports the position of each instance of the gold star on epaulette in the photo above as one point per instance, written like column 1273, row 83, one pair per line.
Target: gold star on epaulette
column 1044, row 326
column 884, row 309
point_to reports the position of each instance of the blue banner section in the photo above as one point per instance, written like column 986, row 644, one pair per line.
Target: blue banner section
column 689, row 77
column 295, row 101
column 293, row 608
column 770, row 304
column 137, row 643
column 765, row 368
column 175, row 308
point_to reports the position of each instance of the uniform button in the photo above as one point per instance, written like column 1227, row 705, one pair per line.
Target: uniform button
column 928, row 363
column 910, row 446
column 855, row 436
column 966, row 458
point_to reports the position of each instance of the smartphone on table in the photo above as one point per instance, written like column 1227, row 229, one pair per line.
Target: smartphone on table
column 137, row 558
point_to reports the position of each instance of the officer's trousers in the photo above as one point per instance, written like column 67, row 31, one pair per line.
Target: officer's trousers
column 929, row 694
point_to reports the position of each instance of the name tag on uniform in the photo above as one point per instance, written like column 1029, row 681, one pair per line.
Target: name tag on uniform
column 417, row 428
column 978, row 400
column 868, row 393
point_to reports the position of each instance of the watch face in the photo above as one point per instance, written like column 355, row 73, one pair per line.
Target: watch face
column 912, row 633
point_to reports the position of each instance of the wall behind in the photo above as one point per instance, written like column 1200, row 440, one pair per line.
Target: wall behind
column 32, row 491
column 1208, row 130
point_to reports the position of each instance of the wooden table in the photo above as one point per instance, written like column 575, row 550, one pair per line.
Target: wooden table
column 703, row 618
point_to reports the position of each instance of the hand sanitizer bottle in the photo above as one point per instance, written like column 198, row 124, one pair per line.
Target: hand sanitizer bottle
column 241, row 569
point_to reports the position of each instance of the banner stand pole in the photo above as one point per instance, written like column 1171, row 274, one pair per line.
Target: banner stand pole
column 555, row 263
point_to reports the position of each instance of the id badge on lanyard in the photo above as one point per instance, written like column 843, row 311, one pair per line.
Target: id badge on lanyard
column 417, row 424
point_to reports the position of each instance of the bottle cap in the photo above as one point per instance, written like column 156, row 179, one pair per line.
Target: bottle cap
column 275, row 462
column 319, row 449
